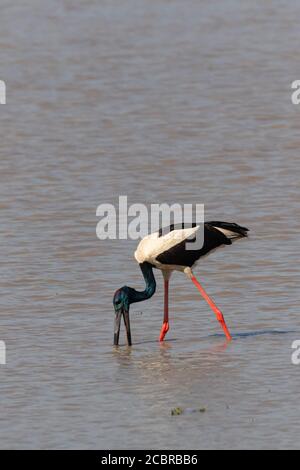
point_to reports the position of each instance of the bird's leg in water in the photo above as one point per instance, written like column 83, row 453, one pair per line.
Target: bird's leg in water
column 212, row 305
column 165, row 327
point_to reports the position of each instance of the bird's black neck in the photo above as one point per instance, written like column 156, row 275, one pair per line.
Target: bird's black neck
column 136, row 296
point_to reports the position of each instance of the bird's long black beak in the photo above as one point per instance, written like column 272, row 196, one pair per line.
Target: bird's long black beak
column 118, row 317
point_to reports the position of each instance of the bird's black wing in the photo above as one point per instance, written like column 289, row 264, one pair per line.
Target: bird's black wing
column 180, row 256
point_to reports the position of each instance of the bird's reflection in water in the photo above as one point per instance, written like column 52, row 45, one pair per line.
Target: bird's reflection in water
column 122, row 355
column 166, row 366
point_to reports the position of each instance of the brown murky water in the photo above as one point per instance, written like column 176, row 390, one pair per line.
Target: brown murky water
column 165, row 101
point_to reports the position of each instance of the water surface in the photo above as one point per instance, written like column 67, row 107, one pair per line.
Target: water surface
column 165, row 101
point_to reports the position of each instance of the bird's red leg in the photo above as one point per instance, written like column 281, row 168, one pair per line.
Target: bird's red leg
column 165, row 327
column 212, row 305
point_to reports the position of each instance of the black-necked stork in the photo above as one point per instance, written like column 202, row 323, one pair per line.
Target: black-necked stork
column 166, row 250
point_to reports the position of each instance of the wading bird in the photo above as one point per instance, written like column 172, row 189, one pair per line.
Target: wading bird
column 167, row 250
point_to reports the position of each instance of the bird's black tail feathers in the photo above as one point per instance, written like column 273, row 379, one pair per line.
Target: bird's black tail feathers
column 231, row 230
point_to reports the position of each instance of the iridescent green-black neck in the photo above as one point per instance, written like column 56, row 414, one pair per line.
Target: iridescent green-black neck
column 139, row 296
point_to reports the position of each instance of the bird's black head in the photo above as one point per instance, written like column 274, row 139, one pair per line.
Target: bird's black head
column 121, row 304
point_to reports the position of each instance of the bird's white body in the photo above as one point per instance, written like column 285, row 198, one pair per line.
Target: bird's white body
column 153, row 245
